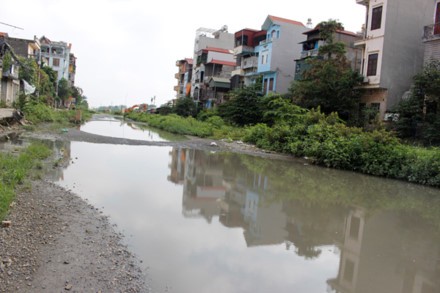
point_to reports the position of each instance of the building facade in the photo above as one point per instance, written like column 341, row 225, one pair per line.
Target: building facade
column 310, row 49
column 183, row 76
column 205, row 38
column 9, row 84
column 392, row 50
column 276, row 54
column 246, row 57
column 213, row 74
column 57, row 56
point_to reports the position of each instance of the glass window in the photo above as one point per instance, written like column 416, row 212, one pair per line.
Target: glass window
column 376, row 18
column 372, row 64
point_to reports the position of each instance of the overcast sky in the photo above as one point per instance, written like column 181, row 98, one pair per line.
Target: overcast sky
column 127, row 49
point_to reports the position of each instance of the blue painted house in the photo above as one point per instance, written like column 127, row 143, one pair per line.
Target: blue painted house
column 277, row 53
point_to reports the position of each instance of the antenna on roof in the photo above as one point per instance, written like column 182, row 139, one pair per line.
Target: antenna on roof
column 11, row 25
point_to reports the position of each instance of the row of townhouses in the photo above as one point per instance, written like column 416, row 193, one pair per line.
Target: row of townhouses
column 398, row 37
column 57, row 55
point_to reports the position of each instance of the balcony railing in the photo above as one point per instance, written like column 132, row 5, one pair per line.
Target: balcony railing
column 309, row 53
column 431, row 32
column 243, row 49
column 250, row 62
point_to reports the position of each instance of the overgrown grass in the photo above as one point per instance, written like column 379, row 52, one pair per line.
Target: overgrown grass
column 15, row 169
column 213, row 127
column 323, row 138
column 39, row 112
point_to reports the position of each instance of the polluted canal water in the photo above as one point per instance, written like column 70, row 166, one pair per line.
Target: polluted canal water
column 205, row 221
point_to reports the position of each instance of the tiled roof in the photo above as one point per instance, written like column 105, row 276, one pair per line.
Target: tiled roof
column 280, row 19
column 222, row 62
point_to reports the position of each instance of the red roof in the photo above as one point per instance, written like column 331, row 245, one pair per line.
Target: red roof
column 222, row 62
column 280, row 19
column 219, row 50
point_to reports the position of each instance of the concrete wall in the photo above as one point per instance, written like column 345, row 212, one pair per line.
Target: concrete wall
column 402, row 47
column 285, row 50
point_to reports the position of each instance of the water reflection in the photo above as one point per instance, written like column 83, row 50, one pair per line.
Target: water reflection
column 385, row 230
column 126, row 129
column 222, row 222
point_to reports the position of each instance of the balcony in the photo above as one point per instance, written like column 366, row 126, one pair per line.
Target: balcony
column 309, row 53
column 431, row 32
column 250, row 62
column 362, row 2
column 237, row 71
column 177, row 76
column 243, row 50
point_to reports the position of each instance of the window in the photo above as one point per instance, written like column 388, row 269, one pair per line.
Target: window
column 372, row 64
column 264, row 58
column 56, row 62
column 376, row 18
column 349, row 270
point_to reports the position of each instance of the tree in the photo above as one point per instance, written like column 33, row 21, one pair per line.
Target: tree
column 64, row 90
column 186, row 107
column 244, row 106
column 28, row 70
column 329, row 82
column 419, row 115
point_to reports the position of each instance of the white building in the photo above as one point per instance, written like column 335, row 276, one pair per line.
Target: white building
column 392, row 49
column 57, row 56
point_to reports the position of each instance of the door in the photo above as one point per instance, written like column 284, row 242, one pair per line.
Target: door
column 437, row 20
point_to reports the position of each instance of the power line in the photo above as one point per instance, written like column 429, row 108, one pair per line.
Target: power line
column 11, row 25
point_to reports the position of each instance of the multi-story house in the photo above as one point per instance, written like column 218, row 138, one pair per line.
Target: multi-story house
column 72, row 69
column 392, row 51
column 57, row 56
column 276, row 54
column 213, row 77
column 247, row 59
column 9, row 67
column 205, row 38
column 23, row 47
column 310, row 49
column 431, row 36
column 183, row 76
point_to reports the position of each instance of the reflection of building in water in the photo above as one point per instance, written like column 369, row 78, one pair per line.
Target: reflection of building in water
column 62, row 151
column 385, row 253
column 311, row 225
column 177, row 165
column 202, row 176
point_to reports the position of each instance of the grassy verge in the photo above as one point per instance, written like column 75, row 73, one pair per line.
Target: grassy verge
column 213, row 127
column 15, row 169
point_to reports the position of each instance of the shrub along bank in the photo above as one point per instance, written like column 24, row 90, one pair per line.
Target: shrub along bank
column 325, row 139
column 15, row 168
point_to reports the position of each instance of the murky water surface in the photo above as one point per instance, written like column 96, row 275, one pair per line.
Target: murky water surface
column 223, row 222
column 109, row 126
